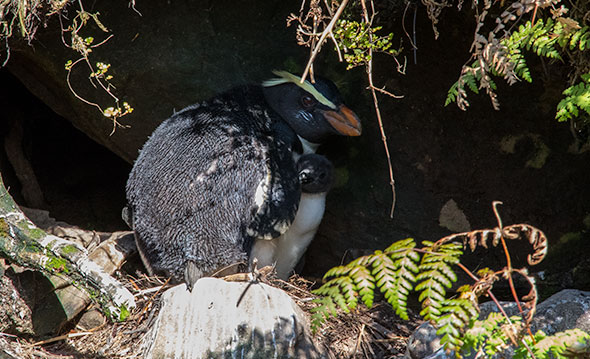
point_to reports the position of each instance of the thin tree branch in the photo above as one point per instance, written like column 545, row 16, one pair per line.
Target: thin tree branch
column 369, row 70
column 325, row 33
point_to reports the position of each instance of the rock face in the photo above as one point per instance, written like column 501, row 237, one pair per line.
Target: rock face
column 565, row 310
column 172, row 56
column 220, row 319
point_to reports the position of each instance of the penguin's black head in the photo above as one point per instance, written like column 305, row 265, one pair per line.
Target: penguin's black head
column 316, row 173
column 314, row 111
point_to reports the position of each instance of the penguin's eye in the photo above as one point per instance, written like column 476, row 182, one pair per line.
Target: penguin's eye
column 307, row 101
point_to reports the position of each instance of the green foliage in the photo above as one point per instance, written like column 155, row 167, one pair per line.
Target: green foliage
column 576, row 98
column 547, row 38
column 490, row 336
column 394, row 272
column 357, row 38
column 436, row 276
column 573, row 343
column 326, row 308
column 540, row 37
column 97, row 73
column 124, row 313
column 428, row 271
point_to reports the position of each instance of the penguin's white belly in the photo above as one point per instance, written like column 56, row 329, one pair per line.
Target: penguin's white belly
column 285, row 251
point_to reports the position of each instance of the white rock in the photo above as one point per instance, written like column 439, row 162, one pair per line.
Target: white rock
column 220, row 319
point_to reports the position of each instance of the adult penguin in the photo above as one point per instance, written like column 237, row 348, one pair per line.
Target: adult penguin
column 218, row 175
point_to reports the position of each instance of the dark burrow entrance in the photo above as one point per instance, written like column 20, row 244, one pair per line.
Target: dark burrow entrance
column 79, row 181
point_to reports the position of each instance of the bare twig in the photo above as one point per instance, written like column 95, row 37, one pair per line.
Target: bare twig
column 337, row 47
column 358, row 341
column 320, row 42
column 385, row 92
column 316, row 44
column 61, row 337
column 369, row 70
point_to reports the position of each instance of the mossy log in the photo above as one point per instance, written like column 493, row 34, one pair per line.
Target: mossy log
column 23, row 243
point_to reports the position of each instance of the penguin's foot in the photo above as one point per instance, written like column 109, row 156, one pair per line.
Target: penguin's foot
column 192, row 273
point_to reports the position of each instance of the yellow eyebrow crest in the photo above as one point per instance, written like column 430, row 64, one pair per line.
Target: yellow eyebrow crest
column 286, row 77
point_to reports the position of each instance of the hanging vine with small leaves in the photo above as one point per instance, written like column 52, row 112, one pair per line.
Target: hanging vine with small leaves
column 27, row 16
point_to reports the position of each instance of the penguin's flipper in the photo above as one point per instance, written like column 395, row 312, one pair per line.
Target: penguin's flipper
column 127, row 215
column 277, row 196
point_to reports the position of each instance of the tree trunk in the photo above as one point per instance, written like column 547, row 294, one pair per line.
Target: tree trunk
column 23, row 243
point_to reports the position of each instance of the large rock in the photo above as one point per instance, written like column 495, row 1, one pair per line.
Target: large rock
column 220, row 319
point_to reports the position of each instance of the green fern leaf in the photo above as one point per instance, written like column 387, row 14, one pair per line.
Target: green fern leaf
column 364, row 285
column 360, row 261
column 394, row 273
column 337, row 271
column 572, row 343
column 584, row 40
column 576, row 97
column 452, row 93
column 348, row 290
column 471, row 82
column 436, row 276
column 575, row 39
column 488, row 335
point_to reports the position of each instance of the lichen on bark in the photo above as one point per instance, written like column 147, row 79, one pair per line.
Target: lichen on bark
column 22, row 243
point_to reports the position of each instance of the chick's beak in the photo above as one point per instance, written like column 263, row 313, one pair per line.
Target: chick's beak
column 344, row 121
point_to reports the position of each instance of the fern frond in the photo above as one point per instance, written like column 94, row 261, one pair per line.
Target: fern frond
column 576, row 97
column 392, row 272
column 364, row 285
column 325, row 308
column 341, row 290
column 436, row 276
column 482, row 237
column 580, row 39
column 452, row 93
column 456, row 315
column 470, row 76
column 337, row 271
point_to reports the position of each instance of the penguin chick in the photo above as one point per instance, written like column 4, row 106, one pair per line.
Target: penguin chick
column 316, row 176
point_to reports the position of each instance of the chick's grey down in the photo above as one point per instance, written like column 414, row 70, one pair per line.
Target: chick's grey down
column 218, row 175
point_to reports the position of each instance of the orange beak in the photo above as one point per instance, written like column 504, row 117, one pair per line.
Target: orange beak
column 344, row 121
